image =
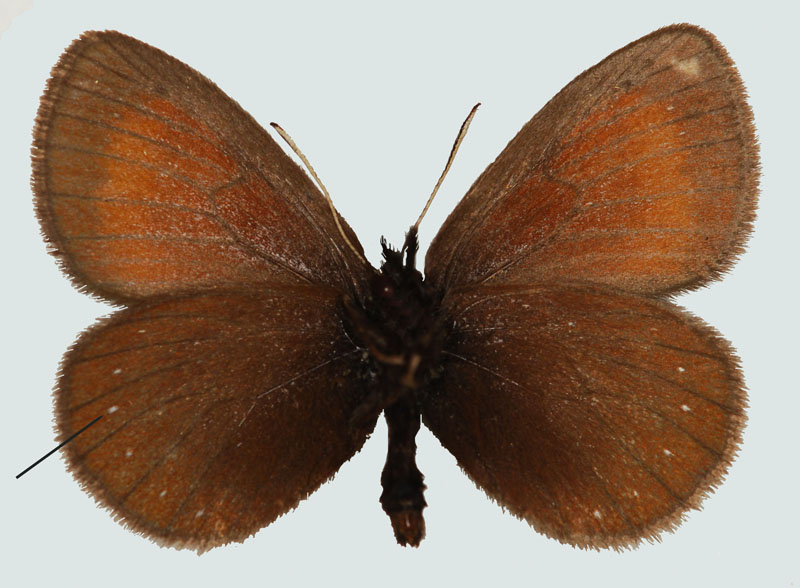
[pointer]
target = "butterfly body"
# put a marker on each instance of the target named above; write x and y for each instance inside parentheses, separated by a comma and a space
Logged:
(254, 347)
(402, 331)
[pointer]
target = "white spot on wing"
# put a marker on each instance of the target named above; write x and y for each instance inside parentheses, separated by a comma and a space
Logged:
(685, 408)
(598, 515)
(689, 67)
(668, 453)
(117, 371)
(113, 409)
(199, 513)
(681, 369)
(128, 452)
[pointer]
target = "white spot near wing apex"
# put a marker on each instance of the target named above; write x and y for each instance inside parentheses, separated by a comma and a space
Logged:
(689, 67)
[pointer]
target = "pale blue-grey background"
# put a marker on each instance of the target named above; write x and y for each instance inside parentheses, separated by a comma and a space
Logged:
(374, 93)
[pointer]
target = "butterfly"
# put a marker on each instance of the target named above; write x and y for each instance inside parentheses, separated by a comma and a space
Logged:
(256, 347)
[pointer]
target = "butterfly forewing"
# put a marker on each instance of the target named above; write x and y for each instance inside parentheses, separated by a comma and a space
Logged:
(597, 416)
(220, 411)
(151, 181)
(640, 174)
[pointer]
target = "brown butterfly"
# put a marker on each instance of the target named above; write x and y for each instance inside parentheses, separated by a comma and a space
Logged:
(258, 347)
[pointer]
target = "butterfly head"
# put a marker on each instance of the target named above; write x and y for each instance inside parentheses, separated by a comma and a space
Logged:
(398, 274)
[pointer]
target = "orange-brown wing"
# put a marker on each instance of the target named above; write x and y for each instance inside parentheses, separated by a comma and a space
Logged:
(220, 411)
(640, 174)
(149, 180)
(598, 416)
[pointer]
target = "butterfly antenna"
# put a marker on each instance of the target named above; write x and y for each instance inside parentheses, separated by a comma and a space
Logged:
(460, 137)
(285, 136)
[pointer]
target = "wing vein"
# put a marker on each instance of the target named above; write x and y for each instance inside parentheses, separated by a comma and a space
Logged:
(101, 65)
(143, 164)
(154, 238)
(223, 445)
(171, 123)
(136, 380)
(624, 113)
(151, 140)
(119, 53)
(136, 201)
(607, 146)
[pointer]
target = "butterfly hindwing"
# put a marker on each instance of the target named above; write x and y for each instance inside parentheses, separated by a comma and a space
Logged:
(220, 411)
(598, 416)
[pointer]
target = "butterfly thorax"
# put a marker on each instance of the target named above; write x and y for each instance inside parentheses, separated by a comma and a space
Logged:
(399, 328)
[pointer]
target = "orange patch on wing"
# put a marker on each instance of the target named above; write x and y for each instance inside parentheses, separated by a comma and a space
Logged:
(114, 217)
(155, 264)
